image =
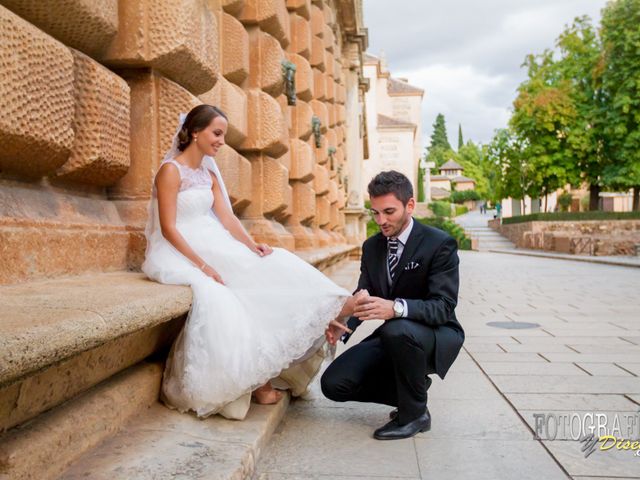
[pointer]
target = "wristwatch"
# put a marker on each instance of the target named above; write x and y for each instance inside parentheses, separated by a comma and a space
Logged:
(398, 308)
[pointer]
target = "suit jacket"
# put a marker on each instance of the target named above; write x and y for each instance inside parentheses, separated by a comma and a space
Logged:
(427, 278)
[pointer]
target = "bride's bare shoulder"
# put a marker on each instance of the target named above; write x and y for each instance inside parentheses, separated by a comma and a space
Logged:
(168, 175)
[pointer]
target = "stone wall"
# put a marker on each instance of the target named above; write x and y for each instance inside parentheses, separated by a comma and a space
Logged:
(587, 237)
(91, 93)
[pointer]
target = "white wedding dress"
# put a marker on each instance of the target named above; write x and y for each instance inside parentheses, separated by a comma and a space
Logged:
(239, 335)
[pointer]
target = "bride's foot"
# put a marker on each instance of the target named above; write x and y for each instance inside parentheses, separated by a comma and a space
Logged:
(266, 395)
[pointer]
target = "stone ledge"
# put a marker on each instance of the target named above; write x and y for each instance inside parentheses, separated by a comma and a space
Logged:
(45, 322)
(619, 261)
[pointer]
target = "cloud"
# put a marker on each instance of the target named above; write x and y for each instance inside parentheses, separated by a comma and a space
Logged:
(467, 54)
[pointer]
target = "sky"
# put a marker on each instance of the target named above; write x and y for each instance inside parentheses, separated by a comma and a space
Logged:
(467, 54)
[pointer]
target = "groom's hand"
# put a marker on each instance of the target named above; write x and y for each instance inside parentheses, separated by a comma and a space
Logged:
(373, 308)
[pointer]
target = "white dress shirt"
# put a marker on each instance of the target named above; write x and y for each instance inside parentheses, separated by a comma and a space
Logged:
(402, 240)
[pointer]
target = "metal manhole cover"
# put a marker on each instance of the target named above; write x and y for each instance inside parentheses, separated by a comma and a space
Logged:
(513, 325)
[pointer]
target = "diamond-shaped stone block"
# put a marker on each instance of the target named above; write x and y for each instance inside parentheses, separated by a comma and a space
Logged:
(304, 202)
(317, 54)
(301, 7)
(270, 15)
(300, 36)
(301, 116)
(302, 161)
(80, 24)
(37, 99)
(266, 63)
(276, 188)
(180, 39)
(320, 180)
(100, 154)
(267, 129)
(232, 100)
(234, 49)
(236, 172)
(304, 77)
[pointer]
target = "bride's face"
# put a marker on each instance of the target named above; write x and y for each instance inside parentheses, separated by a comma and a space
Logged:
(211, 138)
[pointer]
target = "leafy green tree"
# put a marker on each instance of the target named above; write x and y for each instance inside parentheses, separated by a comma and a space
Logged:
(621, 84)
(470, 156)
(460, 139)
(580, 67)
(507, 166)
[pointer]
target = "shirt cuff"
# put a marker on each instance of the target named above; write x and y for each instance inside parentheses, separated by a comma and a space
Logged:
(405, 308)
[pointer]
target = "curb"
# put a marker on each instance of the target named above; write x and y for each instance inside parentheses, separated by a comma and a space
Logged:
(574, 258)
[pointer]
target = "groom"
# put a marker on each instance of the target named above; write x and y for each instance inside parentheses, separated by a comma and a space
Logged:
(411, 273)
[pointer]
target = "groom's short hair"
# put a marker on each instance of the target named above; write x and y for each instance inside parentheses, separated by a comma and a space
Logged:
(391, 182)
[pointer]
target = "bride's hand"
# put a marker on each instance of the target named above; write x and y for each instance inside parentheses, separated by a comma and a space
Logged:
(263, 249)
(210, 272)
(334, 331)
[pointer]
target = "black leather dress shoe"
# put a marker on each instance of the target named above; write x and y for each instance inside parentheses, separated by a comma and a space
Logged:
(395, 431)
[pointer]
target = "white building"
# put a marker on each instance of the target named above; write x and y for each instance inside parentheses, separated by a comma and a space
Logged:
(394, 123)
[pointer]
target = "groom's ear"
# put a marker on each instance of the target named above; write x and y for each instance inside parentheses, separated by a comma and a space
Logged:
(411, 205)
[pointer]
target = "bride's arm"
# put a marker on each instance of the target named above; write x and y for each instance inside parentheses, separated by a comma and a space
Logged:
(228, 218)
(167, 186)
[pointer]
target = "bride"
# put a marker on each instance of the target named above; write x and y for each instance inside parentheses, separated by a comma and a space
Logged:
(255, 309)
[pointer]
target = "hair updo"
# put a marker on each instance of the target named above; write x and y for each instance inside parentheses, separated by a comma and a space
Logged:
(197, 120)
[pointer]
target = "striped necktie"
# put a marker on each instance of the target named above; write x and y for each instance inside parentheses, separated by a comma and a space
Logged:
(392, 257)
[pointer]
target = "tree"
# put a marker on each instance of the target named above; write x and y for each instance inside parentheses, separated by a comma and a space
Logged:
(507, 168)
(460, 139)
(621, 105)
(580, 67)
(440, 150)
(439, 135)
(544, 114)
(470, 156)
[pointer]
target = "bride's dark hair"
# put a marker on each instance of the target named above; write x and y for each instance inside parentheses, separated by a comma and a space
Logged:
(197, 120)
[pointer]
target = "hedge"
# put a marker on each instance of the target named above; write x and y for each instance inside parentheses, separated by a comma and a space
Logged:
(452, 228)
(571, 216)
(464, 195)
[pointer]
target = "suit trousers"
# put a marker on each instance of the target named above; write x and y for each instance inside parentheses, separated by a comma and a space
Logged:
(390, 367)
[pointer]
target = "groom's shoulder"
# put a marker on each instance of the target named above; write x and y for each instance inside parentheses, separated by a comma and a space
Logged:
(372, 240)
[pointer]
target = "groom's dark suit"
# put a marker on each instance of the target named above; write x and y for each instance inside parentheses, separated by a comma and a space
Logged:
(390, 365)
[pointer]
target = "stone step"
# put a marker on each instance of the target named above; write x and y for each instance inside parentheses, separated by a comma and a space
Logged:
(60, 337)
(495, 243)
(165, 444)
(42, 448)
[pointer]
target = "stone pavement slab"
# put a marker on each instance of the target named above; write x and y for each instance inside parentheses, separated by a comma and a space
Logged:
(571, 402)
(582, 361)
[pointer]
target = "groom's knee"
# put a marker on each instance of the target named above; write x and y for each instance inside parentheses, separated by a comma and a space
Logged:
(334, 386)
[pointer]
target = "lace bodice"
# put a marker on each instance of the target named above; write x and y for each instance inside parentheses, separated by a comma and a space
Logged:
(192, 178)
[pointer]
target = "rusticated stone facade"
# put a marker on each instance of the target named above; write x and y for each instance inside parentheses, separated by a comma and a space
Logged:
(91, 93)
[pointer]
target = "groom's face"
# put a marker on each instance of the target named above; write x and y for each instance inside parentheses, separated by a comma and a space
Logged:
(390, 214)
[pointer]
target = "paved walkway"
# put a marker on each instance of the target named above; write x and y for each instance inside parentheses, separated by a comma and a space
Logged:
(583, 359)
